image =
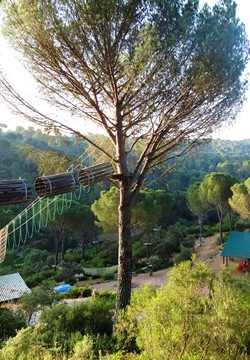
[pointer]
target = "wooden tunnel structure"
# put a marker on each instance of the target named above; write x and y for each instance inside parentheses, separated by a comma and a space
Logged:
(14, 191)
(95, 173)
(19, 190)
(55, 184)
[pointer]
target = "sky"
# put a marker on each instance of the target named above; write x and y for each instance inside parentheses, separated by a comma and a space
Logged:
(240, 130)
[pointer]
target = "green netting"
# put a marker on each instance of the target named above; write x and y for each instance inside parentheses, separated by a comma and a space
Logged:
(35, 217)
(99, 271)
(39, 213)
(237, 245)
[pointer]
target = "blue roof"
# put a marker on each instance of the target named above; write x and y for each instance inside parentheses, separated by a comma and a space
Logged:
(237, 245)
(63, 288)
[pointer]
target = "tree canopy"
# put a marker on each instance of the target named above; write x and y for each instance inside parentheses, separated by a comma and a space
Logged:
(240, 200)
(149, 207)
(156, 75)
(216, 190)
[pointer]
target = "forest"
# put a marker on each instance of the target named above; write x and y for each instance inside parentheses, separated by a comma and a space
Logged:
(158, 77)
(82, 239)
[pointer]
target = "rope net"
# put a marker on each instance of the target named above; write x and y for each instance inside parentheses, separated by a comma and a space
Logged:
(3, 241)
(38, 214)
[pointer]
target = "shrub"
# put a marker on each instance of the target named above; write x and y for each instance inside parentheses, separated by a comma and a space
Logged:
(189, 241)
(108, 275)
(59, 277)
(156, 262)
(76, 292)
(85, 291)
(83, 349)
(73, 256)
(71, 281)
(64, 324)
(195, 229)
(218, 239)
(210, 327)
(183, 255)
(107, 294)
(209, 231)
(10, 322)
(36, 278)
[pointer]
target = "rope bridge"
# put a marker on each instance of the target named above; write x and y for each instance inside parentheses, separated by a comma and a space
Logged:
(44, 209)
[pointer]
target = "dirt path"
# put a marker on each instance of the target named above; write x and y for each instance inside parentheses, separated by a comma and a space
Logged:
(208, 252)
(157, 279)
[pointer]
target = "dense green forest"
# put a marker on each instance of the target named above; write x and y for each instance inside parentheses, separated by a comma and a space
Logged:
(19, 150)
(29, 153)
(83, 238)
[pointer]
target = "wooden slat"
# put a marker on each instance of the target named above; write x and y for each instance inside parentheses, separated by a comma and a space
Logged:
(93, 174)
(55, 184)
(14, 191)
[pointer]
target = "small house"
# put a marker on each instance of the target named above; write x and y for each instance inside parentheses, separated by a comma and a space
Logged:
(12, 287)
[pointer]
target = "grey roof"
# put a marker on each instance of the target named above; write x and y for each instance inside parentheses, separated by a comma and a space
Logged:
(12, 286)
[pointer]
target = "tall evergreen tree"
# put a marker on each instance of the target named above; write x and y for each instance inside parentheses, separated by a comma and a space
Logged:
(160, 74)
(216, 190)
(240, 200)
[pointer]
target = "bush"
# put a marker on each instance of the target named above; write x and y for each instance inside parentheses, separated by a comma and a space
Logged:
(216, 326)
(10, 322)
(76, 292)
(71, 281)
(85, 291)
(189, 241)
(107, 294)
(209, 231)
(59, 277)
(183, 255)
(36, 278)
(73, 256)
(65, 324)
(224, 238)
(195, 229)
(108, 275)
(156, 262)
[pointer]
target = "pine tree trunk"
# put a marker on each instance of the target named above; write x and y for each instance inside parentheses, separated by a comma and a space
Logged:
(125, 250)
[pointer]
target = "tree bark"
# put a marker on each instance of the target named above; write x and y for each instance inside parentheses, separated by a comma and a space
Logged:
(125, 249)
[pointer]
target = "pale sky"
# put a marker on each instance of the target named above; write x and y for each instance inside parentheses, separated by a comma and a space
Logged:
(239, 131)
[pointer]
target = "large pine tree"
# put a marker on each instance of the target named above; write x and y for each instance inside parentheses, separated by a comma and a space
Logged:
(156, 75)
